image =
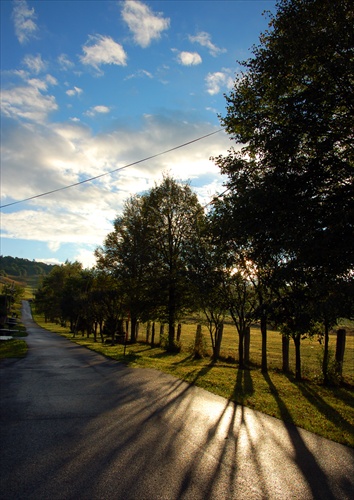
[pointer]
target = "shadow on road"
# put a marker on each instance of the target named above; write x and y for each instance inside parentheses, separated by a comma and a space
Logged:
(305, 460)
(96, 429)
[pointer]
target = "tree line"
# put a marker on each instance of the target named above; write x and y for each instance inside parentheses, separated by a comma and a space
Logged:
(278, 245)
(16, 266)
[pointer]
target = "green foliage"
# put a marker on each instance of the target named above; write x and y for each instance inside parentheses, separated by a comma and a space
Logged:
(148, 253)
(290, 205)
(11, 295)
(332, 376)
(15, 266)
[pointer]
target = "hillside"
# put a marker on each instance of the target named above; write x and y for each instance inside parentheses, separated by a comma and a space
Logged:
(15, 266)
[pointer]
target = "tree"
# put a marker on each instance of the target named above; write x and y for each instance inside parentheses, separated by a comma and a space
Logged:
(242, 302)
(55, 298)
(148, 250)
(125, 255)
(291, 185)
(173, 211)
(294, 109)
(242, 251)
(205, 271)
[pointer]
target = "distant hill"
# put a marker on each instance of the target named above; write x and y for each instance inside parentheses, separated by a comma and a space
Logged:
(15, 266)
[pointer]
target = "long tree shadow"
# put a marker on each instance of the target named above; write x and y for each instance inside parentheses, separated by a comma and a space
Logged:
(304, 458)
(326, 409)
(285, 414)
(243, 387)
(345, 393)
(203, 371)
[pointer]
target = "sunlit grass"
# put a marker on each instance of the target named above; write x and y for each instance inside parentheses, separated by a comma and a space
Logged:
(13, 348)
(328, 412)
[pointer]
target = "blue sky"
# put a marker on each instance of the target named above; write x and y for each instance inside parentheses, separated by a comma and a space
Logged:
(88, 87)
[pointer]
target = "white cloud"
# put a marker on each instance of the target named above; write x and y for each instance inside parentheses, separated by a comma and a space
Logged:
(51, 261)
(97, 110)
(54, 246)
(65, 62)
(141, 73)
(37, 83)
(204, 39)
(51, 80)
(37, 225)
(103, 50)
(189, 58)
(35, 63)
(24, 21)
(66, 153)
(86, 257)
(218, 80)
(74, 91)
(28, 102)
(42, 84)
(145, 25)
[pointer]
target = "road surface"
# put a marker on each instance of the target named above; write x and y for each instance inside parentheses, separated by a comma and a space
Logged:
(75, 425)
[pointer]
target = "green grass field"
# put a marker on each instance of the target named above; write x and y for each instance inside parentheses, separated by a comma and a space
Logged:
(326, 411)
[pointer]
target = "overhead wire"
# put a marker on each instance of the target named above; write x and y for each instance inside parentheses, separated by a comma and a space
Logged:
(111, 171)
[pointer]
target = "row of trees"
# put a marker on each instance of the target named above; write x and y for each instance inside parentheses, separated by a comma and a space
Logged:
(290, 205)
(278, 245)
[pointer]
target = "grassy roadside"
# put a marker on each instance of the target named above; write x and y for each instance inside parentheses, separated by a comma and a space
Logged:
(13, 348)
(328, 412)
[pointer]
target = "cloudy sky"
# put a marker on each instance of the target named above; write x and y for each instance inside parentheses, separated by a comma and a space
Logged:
(89, 87)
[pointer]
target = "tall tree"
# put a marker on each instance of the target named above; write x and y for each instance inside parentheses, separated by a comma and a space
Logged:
(126, 254)
(206, 274)
(148, 250)
(294, 108)
(173, 213)
(291, 185)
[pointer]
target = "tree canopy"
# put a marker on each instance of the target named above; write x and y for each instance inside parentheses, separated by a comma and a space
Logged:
(293, 109)
(290, 204)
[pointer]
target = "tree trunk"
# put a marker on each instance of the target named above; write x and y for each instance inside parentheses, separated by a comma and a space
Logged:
(153, 335)
(198, 343)
(218, 338)
(241, 362)
(285, 352)
(179, 331)
(297, 340)
(171, 335)
(171, 317)
(148, 331)
(162, 332)
(264, 342)
(325, 354)
(133, 323)
(340, 348)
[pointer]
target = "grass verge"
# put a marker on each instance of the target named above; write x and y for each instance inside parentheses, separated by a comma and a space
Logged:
(13, 348)
(326, 411)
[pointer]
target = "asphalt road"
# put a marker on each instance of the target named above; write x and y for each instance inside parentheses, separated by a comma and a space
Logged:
(75, 425)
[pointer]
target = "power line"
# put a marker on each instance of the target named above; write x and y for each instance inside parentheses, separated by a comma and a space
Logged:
(112, 171)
